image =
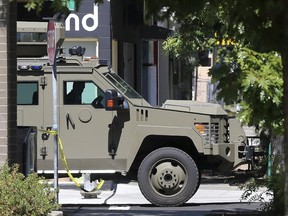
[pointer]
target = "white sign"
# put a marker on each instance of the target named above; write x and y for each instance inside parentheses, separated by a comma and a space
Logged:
(76, 20)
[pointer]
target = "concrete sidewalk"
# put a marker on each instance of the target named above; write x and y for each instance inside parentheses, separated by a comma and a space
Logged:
(130, 194)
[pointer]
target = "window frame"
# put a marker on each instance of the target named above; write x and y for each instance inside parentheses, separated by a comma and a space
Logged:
(66, 92)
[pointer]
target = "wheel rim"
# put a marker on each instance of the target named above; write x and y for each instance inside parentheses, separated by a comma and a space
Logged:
(168, 177)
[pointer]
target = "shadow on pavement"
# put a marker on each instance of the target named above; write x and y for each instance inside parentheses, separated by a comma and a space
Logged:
(210, 209)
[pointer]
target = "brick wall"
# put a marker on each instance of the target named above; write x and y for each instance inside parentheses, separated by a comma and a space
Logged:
(203, 84)
(3, 83)
(8, 109)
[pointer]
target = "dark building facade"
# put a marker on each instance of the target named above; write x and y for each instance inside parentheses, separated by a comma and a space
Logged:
(90, 27)
(117, 33)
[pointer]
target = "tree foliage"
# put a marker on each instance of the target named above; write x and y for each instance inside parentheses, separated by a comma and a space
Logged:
(274, 187)
(195, 34)
(252, 78)
(255, 81)
(57, 5)
(257, 23)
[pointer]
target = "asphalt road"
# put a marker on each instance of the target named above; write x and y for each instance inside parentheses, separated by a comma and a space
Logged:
(141, 210)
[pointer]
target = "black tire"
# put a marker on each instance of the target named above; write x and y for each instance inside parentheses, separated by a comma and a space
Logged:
(168, 177)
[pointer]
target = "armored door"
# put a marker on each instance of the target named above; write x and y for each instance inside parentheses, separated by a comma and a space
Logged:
(84, 124)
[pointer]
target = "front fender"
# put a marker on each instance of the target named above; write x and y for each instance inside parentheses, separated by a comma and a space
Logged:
(142, 131)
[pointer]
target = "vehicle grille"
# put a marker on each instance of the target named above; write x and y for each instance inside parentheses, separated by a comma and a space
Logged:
(209, 131)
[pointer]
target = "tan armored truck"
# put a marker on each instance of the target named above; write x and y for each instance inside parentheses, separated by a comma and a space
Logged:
(109, 130)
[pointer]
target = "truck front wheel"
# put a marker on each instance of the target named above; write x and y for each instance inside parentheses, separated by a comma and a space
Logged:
(168, 177)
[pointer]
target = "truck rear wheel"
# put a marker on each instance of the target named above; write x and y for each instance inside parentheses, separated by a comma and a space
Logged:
(168, 177)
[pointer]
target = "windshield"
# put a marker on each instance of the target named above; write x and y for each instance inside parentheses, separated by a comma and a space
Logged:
(121, 85)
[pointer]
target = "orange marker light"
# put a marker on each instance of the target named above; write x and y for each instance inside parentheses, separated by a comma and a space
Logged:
(110, 103)
(200, 128)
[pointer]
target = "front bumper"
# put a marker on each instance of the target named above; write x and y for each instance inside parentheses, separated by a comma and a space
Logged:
(232, 154)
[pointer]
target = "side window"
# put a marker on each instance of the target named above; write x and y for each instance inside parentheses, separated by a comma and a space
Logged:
(83, 92)
(27, 93)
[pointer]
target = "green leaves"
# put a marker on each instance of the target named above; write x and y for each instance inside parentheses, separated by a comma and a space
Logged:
(57, 5)
(255, 81)
(195, 34)
(243, 76)
(274, 188)
(34, 5)
(20, 195)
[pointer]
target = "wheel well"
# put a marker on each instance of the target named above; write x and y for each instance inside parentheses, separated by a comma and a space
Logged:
(153, 142)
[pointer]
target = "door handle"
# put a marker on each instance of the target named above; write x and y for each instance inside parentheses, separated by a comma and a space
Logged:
(69, 121)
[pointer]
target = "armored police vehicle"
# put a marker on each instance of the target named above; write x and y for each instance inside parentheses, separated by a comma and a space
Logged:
(108, 129)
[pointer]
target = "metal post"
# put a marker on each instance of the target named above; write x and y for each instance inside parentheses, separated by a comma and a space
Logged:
(52, 53)
(269, 159)
(55, 128)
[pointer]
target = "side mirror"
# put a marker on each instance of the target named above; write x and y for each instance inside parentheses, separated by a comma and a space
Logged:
(114, 101)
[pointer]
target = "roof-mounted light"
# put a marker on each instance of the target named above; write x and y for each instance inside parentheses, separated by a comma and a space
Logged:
(23, 67)
(36, 67)
(30, 67)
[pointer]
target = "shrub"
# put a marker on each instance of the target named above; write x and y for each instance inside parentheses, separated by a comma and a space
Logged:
(274, 185)
(20, 195)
